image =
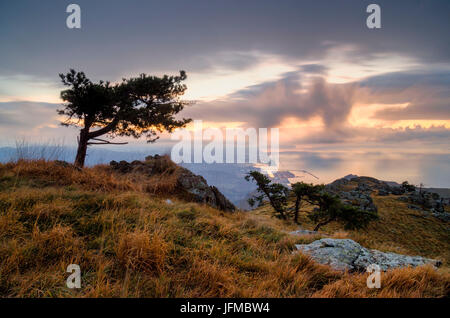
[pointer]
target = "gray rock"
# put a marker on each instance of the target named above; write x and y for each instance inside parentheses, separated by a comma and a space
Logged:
(429, 202)
(200, 192)
(361, 200)
(339, 254)
(66, 164)
(390, 260)
(414, 207)
(346, 254)
(443, 216)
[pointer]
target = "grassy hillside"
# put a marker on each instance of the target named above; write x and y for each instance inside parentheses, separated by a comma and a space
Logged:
(398, 229)
(130, 243)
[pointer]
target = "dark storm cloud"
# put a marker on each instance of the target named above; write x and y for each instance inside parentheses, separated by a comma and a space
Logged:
(267, 104)
(314, 69)
(437, 135)
(435, 110)
(120, 37)
(402, 80)
(427, 94)
(433, 134)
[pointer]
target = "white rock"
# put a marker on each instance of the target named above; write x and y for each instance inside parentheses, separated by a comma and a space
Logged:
(346, 254)
(303, 232)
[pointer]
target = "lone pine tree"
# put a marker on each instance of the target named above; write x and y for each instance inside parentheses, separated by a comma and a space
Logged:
(144, 105)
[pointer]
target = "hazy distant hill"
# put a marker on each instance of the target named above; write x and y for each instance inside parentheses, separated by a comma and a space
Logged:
(6, 154)
(443, 192)
(94, 156)
(228, 178)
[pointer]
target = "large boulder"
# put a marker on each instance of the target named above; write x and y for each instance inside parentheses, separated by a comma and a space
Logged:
(346, 254)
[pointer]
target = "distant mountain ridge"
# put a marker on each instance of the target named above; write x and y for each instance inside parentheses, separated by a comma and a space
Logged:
(443, 192)
(228, 178)
(352, 176)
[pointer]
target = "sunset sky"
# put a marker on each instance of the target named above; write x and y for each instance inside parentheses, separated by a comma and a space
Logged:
(347, 99)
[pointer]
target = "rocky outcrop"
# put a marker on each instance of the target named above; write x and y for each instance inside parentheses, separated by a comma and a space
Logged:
(200, 192)
(366, 184)
(221, 201)
(357, 191)
(189, 184)
(357, 195)
(428, 203)
(66, 164)
(346, 254)
(359, 199)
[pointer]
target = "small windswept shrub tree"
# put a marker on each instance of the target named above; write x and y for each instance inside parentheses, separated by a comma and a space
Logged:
(276, 193)
(304, 192)
(330, 208)
(407, 187)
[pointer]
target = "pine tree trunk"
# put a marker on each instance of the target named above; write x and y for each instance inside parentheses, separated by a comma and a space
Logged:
(322, 224)
(297, 207)
(82, 149)
(274, 206)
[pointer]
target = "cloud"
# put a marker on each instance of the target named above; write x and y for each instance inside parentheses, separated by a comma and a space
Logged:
(227, 60)
(402, 80)
(33, 119)
(119, 38)
(314, 68)
(9, 120)
(312, 160)
(434, 135)
(426, 94)
(268, 104)
(304, 96)
(434, 110)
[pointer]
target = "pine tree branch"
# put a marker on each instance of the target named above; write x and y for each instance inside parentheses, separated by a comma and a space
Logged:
(104, 130)
(106, 142)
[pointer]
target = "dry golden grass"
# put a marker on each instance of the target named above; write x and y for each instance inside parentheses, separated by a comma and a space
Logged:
(44, 173)
(130, 243)
(140, 251)
(403, 282)
(41, 173)
(398, 229)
